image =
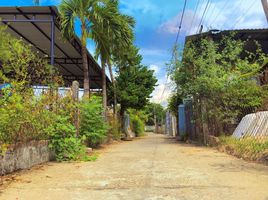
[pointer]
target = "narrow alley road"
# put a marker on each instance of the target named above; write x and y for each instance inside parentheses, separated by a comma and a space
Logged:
(154, 168)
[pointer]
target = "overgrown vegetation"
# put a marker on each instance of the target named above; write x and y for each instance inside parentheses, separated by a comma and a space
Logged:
(137, 121)
(134, 83)
(25, 116)
(247, 148)
(220, 78)
(92, 125)
(155, 114)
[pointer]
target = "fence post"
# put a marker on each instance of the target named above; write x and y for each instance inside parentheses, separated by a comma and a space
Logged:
(204, 120)
(75, 96)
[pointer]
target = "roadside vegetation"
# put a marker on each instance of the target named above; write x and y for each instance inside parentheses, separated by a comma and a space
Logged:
(25, 116)
(246, 148)
(220, 78)
(28, 113)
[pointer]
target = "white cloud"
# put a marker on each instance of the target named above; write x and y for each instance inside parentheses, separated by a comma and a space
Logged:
(172, 26)
(163, 91)
(155, 68)
(153, 52)
(221, 15)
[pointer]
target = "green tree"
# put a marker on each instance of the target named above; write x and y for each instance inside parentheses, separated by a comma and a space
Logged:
(134, 87)
(219, 76)
(88, 14)
(173, 103)
(114, 30)
(154, 111)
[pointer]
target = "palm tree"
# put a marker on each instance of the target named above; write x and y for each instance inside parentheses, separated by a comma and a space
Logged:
(86, 12)
(109, 35)
(119, 48)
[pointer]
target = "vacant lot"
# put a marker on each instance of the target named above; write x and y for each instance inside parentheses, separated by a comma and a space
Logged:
(154, 167)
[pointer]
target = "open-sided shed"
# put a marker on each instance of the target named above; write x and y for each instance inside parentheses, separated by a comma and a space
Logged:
(40, 27)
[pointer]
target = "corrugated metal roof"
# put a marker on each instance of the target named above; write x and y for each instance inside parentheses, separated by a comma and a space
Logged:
(68, 56)
(253, 125)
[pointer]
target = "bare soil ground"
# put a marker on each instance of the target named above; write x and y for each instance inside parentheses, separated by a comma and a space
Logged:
(153, 168)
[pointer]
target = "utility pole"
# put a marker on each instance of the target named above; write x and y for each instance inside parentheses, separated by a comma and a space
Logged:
(265, 8)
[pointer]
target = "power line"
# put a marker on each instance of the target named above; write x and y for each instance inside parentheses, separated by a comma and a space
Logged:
(176, 42)
(203, 16)
(224, 6)
(178, 34)
(235, 11)
(243, 15)
(197, 6)
(211, 13)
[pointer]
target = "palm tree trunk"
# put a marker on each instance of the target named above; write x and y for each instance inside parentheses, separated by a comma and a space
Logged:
(85, 65)
(114, 89)
(104, 91)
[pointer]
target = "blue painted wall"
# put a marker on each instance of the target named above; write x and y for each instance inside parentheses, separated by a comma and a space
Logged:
(182, 120)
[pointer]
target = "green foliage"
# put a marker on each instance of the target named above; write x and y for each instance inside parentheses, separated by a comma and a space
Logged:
(21, 65)
(115, 129)
(154, 109)
(249, 148)
(22, 117)
(219, 75)
(64, 141)
(92, 124)
(137, 125)
(173, 102)
(137, 122)
(134, 86)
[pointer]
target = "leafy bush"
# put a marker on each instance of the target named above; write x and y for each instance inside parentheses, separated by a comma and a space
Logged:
(63, 140)
(137, 121)
(92, 124)
(219, 76)
(22, 118)
(115, 129)
(20, 64)
(25, 117)
(138, 125)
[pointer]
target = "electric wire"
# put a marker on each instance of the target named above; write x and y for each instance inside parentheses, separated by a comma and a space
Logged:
(235, 11)
(176, 42)
(195, 12)
(244, 14)
(205, 10)
(211, 13)
(216, 17)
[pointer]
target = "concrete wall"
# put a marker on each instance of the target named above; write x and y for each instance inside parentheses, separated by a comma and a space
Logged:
(24, 156)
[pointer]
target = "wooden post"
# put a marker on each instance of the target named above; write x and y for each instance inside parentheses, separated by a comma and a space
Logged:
(155, 122)
(204, 120)
(265, 8)
(75, 96)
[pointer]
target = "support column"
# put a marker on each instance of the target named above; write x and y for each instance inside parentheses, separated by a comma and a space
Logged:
(52, 42)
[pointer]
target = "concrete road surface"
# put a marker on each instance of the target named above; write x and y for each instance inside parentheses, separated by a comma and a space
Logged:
(153, 168)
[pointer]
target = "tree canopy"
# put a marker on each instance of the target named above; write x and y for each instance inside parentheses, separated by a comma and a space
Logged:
(134, 86)
(221, 76)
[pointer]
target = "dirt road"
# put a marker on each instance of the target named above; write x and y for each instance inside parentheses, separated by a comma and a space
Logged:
(151, 168)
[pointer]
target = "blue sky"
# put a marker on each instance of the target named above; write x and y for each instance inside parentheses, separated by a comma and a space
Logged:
(157, 25)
